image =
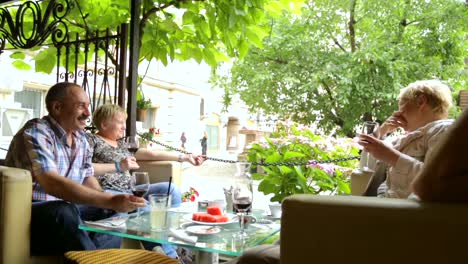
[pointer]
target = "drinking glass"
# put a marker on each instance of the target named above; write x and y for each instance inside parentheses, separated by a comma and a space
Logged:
(242, 194)
(368, 128)
(139, 184)
(132, 143)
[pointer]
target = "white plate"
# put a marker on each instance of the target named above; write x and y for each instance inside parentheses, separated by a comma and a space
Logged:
(232, 219)
(202, 230)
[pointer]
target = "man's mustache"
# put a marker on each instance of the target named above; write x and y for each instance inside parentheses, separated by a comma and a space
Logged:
(83, 117)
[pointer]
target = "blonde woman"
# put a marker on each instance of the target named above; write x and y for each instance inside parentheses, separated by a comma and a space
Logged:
(112, 160)
(423, 112)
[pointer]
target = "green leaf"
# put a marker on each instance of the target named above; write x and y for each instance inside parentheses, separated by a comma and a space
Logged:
(285, 169)
(45, 61)
(17, 55)
(292, 154)
(275, 157)
(21, 65)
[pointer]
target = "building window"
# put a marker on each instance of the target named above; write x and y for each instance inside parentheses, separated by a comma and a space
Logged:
(202, 108)
(212, 137)
(150, 120)
(31, 99)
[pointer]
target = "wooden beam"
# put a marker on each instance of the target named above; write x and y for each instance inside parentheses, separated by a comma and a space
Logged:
(135, 11)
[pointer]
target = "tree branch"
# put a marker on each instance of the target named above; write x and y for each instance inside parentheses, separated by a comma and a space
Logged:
(338, 44)
(351, 23)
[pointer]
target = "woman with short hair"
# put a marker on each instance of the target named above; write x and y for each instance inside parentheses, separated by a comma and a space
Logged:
(423, 114)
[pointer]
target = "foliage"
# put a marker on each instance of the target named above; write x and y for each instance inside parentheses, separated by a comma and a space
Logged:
(190, 195)
(142, 102)
(209, 31)
(295, 143)
(343, 62)
(148, 135)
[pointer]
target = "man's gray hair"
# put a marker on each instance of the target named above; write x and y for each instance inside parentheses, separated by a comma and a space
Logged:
(58, 92)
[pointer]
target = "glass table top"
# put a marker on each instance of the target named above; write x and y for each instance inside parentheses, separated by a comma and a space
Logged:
(183, 232)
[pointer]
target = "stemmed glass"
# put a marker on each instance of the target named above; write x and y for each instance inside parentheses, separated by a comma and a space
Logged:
(242, 194)
(368, 128)
(132, 143)
(139, 184)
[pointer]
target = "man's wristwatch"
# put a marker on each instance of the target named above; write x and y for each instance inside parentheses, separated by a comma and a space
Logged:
(180, 157)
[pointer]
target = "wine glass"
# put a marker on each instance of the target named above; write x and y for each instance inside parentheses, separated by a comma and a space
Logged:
(368, 128)
(132, 143)
(242, 194)
(139, 185)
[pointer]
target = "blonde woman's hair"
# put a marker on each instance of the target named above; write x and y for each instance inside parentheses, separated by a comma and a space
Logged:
(438, 94)
(106, 112)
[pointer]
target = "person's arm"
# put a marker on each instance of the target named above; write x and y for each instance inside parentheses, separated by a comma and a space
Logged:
(146, 154)
(69, 190)
(125, 164)
(92, 183)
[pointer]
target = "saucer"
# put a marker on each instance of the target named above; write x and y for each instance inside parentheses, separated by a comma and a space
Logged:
(202, 230)
(270, 217)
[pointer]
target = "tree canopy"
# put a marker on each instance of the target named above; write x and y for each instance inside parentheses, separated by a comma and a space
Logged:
(203, 30)
(342, 62)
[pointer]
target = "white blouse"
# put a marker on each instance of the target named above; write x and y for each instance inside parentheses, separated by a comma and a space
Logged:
(416, 147)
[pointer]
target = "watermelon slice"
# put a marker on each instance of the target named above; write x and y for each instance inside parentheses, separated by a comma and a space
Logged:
(214, 210)
(207, 218)
(221, 218)
(196, 216)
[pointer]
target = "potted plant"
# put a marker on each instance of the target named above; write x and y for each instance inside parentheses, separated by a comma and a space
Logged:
(142, 106)
(292, 143)
(147, 136)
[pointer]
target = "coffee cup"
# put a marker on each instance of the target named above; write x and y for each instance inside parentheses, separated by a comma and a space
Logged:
(275, 210)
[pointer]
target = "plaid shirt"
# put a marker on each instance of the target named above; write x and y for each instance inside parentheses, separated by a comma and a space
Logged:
(41, 146)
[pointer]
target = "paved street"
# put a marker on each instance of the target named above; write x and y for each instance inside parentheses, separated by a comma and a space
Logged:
(210, 178)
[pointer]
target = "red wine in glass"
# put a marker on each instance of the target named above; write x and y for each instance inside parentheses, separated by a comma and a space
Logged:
(139, 192)
(139, 185)
(132, 143)
(133, 150)
(242, 206)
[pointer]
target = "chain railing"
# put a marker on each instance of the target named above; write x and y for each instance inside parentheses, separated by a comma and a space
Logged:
(266, 164)
(262, 163)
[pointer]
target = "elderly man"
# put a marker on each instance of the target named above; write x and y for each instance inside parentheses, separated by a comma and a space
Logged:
(55, 150)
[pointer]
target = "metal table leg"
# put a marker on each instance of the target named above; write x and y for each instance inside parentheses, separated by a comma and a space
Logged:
(203, 257)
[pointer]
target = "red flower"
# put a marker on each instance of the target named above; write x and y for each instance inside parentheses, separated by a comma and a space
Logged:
(192, 190)
(191, 195)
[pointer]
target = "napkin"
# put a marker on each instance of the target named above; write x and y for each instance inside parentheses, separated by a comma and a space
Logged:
(111, 222)
(182, 235)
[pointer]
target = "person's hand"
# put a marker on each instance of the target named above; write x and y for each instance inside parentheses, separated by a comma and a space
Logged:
(129, 163)
(395, 121)
(378, 149)
(126, 202)
(195, 160)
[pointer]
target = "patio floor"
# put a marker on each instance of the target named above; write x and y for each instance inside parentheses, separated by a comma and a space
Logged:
(210, 178)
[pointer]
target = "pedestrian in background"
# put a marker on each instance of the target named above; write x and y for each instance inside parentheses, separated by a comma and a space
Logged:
(183, 139)
(204, 143)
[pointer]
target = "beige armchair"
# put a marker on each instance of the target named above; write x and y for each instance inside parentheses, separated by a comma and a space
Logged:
(15, 212)
(355, 229)
(15, 218)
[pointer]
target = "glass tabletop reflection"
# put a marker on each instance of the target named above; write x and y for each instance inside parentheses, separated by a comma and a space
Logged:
(183, 232)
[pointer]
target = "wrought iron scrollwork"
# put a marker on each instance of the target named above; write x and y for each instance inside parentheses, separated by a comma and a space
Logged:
(44, 24)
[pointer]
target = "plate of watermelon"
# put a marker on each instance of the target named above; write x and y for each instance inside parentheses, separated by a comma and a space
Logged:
(213, 216)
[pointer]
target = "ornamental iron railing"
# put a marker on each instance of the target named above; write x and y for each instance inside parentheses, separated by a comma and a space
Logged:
(32, 24)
